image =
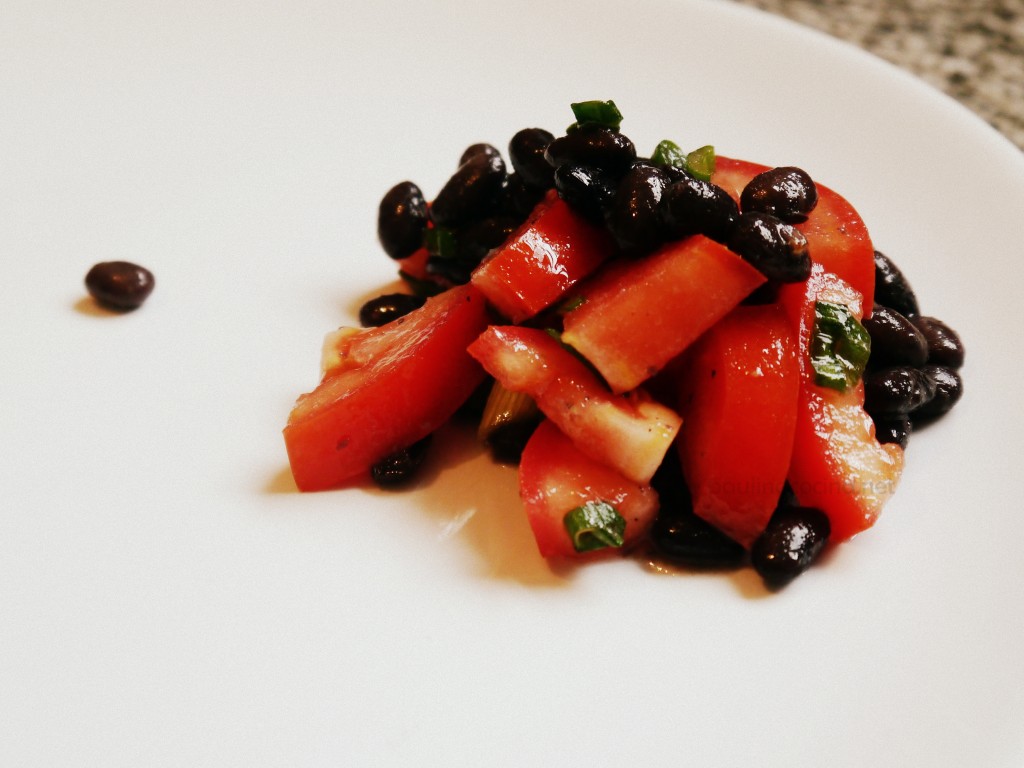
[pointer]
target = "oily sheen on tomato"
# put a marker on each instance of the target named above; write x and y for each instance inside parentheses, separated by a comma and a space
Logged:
(385, 389)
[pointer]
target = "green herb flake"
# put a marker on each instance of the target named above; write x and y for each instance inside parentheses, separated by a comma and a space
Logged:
(440, 242)
(840, 346)
(595, 525)
(669, 153)
(701, 163)
(603, 113)
(569, 305)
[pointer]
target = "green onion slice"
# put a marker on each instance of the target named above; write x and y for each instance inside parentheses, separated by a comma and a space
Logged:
(840, 346)
(440, 242)
(701, 163)
(669, 153)
(603, 113)
(595, 525)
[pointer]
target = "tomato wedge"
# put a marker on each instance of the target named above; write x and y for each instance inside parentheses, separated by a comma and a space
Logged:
(388, 388)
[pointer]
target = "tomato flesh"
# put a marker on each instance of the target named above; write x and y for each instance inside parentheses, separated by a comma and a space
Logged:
(385, 389)
(637, 315)
(542, 260)
(629, 432)
(738, 399)
(555, 477)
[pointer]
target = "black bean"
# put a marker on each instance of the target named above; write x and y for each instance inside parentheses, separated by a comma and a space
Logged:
(779, 250)
(894, 339)
(516, 199)
(893, 429)
(949, 388)
(792, 541)
(119, 285)
(588, 190)
(896, 391)
(387, 307)
(476, 240)
(481, 148)
(788, 193)
(892, 289)
(400, 467)
(944, 344)
(471, 192)
(693, 206)
(401, 219)
(633, 218)
(594, 146)
(526, 152)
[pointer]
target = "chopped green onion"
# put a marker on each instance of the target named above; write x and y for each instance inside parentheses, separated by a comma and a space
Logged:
(669, 153)
(595, 525)
(440, 242)
(569, 305)
(701, 163)
(840, 346)
(505, 407)
(603, 113)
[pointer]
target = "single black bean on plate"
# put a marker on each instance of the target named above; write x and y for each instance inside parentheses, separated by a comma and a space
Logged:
(792, 541)
(693, 206)
(476, 239)
(894, 339)
(594, 146)
(944, 344)
(893, 429)
(892, 289)
(517, 199)
(589, 191)
(949, 388)
(387, 307)
(481, 148)
(400, 467)
(788, 193)
(633, 218)
(896, 391)
(401, 219)
(777, 249)
(119, 285)
(472, 191)
(526, 153)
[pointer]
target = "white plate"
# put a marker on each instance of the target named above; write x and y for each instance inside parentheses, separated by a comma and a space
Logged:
(167, 598)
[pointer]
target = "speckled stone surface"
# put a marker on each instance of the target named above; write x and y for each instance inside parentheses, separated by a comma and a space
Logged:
(971, 49)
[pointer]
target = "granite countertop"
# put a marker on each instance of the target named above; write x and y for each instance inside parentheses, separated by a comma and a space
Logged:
(971, 49)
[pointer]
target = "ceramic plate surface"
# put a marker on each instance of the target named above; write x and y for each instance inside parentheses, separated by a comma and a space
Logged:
(167, 598)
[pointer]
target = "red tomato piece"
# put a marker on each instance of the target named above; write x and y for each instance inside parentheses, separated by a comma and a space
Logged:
(836, 234)
(388, 388)
(542, 260)
(555, 477)
(629, 432)
(738, 401)
(638, 315)
(837, 464)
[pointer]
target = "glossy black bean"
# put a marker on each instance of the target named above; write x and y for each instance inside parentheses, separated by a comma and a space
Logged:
(593, 146)
(949, 388)
(692, 206)
(526, 152)
(475, 240)
(893, 429)
(792, 541)
(944, 344)
(788, 193)
(896, 391)
(449, 271)
(472, 192)
(400, 467)
(892, 289)
(589, 191)
(779, 250)
(387, 307)
(633, 218)
(517, 199)
(119, 285)
(481, 148)
(894, 339)
(401, 219)
(688, 540)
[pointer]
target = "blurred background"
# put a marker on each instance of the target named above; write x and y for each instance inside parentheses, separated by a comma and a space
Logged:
(971, 49)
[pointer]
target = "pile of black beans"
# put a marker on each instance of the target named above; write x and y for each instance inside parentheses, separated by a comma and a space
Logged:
(596, 170)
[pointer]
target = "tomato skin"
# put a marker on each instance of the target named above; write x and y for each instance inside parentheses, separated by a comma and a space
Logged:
(837, 465)
(390, 387)
(556, 477)
(542, 260)
(835, 232)
(738, 399)
(638, 315)
(630, 432)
